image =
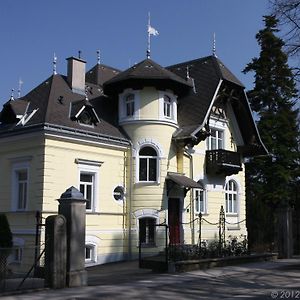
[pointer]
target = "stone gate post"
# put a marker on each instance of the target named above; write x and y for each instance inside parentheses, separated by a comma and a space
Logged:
(72, 207)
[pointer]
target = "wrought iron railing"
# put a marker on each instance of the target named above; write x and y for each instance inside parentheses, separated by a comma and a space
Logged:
(223, 162)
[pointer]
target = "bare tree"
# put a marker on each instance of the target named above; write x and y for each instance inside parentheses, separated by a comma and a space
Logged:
(288, 13)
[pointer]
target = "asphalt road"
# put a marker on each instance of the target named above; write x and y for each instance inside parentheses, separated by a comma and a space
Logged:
(265, 280)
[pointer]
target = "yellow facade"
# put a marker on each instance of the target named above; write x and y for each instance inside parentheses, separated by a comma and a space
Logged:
(55, 163)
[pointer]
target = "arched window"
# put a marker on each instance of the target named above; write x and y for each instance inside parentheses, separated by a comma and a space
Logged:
(231, 197)
(129, 105)
(148, 164)
(167, 106)
(147, 231)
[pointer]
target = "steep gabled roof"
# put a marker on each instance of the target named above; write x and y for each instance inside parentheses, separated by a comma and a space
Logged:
(206, 72)
(210, 76)
(146, 73)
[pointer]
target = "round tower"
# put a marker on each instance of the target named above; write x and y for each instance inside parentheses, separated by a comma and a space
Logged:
(147, 110)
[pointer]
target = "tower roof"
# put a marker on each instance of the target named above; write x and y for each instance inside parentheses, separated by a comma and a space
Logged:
(146, 73)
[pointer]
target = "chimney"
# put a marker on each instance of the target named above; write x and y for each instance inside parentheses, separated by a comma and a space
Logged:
(76, 75)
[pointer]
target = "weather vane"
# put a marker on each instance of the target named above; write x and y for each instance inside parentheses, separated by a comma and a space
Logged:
(151, 31)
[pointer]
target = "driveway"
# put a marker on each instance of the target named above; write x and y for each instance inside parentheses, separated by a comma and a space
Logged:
(265, 280)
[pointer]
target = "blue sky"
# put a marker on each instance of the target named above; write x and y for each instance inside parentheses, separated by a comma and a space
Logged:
(32, 30)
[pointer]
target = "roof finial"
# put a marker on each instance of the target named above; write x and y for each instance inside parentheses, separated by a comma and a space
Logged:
(214, 45)
(151, 31)
(12, 95)
(86, 92)
(79, 54)
(20, 86)
(54, 63)
(187, 72)
(98, 57)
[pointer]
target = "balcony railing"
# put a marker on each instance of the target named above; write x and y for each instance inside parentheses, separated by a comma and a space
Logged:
(223, 162)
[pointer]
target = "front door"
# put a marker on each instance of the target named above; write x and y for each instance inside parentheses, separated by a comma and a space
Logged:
(174, 220)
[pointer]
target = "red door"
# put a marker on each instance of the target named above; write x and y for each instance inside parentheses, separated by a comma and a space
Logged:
(174, 220)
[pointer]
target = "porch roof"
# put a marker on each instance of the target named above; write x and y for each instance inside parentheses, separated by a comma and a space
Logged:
(183, 180)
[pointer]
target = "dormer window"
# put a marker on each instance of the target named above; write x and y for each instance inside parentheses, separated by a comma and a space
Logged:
(85, 118)
(167, 106)
(129, 103)
(84, 113)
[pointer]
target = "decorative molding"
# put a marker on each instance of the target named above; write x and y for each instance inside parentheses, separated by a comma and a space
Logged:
(88, 162)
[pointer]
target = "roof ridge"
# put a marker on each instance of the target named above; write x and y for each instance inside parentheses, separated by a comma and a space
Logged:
(49, 95)
(190, 61)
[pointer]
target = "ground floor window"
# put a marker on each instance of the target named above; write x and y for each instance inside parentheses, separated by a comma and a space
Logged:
(231, 197)
(199, 200)
(147, 231)
(90, 253)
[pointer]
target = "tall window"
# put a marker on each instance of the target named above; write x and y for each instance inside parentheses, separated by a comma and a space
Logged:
(22, 187)
(86, 186)
(231, 197)
(148, 164)
(215, 140)
(167, 106)
(199, 200)
(129, 104)
(147, 231)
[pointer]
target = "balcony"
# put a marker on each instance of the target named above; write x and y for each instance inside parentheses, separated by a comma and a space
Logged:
(222, 162)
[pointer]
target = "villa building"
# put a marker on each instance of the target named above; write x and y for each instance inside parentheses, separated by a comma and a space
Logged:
(146, 146)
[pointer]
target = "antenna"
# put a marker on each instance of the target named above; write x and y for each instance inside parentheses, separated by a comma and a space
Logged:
(214, 45)
(54, 64)
(20, 86)
(98, 57)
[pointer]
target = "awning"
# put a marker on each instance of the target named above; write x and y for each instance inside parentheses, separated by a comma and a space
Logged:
(183, 181)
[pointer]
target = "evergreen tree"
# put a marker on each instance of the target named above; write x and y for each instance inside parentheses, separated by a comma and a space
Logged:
(271, 180)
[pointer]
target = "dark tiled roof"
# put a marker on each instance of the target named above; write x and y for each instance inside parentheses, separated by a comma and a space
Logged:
(53, 98)
(193, 107)
(147, 72)
(100, 74)
(207, 73)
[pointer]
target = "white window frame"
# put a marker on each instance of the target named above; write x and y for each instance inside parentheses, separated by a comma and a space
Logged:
(129, 105)
(220, 136)
(204, 197)
(123, 105)
(19, 167)
(94, 171)
(93, 249)
(173, 107)
(148, 158)
(231, 208)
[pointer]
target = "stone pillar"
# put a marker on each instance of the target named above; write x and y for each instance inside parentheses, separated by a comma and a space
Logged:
(56, 252)
(285, 233)
(72, 207)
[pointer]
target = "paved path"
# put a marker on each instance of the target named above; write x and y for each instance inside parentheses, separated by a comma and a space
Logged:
(267, 280)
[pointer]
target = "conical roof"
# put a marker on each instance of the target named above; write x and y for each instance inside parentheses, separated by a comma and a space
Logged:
(146, 73)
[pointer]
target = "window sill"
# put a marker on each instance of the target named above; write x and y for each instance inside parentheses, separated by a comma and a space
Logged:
(202, 213)
(231, 215)
(147, 183)
(148, 246)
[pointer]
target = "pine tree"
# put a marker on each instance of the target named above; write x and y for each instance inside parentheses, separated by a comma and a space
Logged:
(271, 180)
